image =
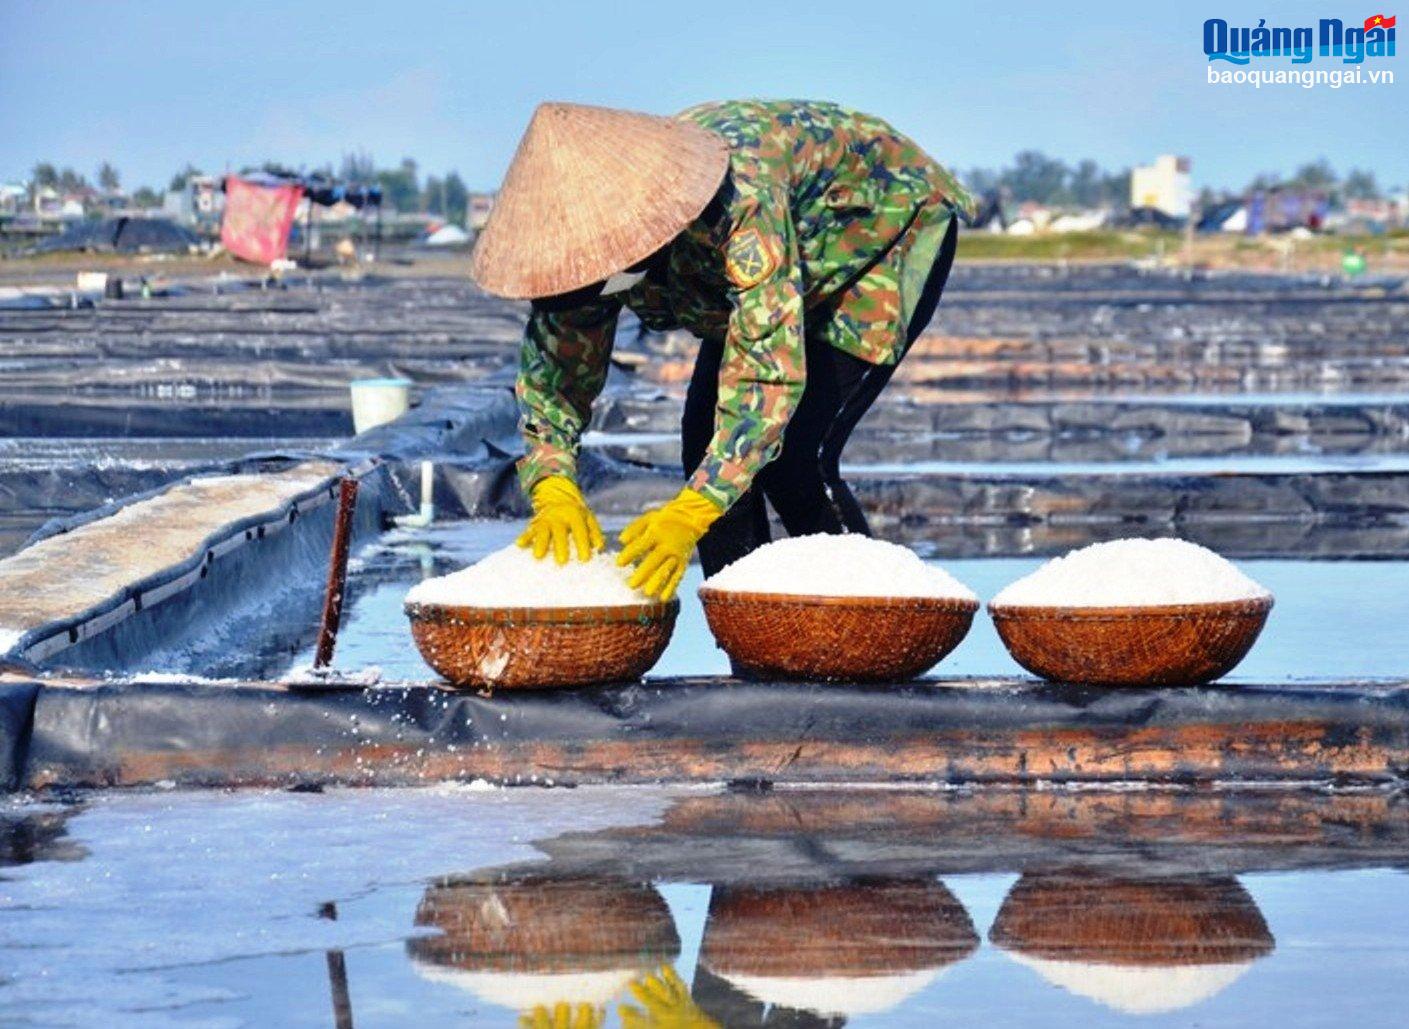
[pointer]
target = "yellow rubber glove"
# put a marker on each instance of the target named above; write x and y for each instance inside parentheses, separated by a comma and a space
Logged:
(660, 542)
(562, 1016)
(667, 1003)
(561, 517)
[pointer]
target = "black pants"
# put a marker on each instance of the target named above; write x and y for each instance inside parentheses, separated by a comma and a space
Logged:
(803, 483)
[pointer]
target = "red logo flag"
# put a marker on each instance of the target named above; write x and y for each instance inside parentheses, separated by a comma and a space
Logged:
(257, 219)
(1379, 21)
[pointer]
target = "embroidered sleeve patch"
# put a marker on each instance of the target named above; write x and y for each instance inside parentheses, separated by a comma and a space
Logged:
(748, 260)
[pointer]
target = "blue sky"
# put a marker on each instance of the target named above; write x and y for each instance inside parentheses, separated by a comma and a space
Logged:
(154, 84)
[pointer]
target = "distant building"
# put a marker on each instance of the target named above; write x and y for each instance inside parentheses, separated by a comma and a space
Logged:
(480, 204)
(1164, 186)
(47, 202)
(111, 201)
(12, 197)
(199, 202)
(1385, 213)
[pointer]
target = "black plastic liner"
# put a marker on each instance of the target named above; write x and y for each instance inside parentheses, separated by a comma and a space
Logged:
(279, 581)
(271, 590)
(16, 721)
(711, 729)
(69, 417)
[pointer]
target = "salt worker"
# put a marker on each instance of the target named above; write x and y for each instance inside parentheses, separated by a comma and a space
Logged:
(806, 244)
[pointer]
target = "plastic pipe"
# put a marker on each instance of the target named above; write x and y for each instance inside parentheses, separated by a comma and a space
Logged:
(426, 515)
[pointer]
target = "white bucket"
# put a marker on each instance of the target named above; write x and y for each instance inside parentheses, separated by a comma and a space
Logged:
(92, 282)
(378, 401)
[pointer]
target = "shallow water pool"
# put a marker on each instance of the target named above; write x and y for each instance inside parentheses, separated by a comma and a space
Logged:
(466, 905)
(1333, 619)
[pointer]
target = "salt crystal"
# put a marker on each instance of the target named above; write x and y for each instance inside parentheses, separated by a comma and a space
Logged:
(1133, 573)
(838, 566)
(513, 577)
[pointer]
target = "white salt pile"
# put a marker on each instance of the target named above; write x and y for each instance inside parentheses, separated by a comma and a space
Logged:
(1132, 573)
(838, 566)
(512, 577)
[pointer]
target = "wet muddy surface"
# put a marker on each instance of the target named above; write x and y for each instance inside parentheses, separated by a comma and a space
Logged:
(461, 905)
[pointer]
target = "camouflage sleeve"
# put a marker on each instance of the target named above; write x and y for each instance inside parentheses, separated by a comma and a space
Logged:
(562, 368)
(762, 373)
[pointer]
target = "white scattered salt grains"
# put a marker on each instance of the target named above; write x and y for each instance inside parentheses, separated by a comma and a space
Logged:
(513, 577)
(1133, 573)
(838, 566)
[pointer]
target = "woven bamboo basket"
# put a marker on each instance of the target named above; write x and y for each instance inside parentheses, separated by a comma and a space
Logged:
(1149, 922)
(1170, 645)
(536, 648)
(545, 925)
(849, 930)
(835, 639)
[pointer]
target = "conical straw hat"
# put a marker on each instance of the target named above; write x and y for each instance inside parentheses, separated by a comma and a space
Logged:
(591, 191)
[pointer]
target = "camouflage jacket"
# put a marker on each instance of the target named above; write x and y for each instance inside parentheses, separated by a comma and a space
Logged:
(810, 232)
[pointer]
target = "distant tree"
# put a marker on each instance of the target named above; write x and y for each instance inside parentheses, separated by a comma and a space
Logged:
(145, 197)
(457, 198)
(274, 168)
(400, 186)
(1115, 187)
(358, 168)
(1035, 176)
(108, 178)
(1047, 180)
(44, 174)
(1317, 175)
(433, 196)
(71, 181)
(1360, 184)
(179, 180)
(981, 181)
(1084, 183)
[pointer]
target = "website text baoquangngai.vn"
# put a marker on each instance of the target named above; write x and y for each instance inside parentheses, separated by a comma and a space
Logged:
(1306, 78)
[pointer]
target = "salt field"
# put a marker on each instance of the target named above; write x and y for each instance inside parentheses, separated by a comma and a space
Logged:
(974, 846)
(899, 908)
(485, 544)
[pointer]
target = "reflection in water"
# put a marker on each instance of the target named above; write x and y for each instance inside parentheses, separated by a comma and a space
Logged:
(827, 906)
(853, 949)
(814, 955)
(1140, 946)
(26, 837)
(531, 942)
(787, 908)
(337, 975)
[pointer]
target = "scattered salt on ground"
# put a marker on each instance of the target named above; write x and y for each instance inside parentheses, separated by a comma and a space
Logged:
(838, 566)
(1131, 573)
(8, 639)
(179, 678)
(307, 675)
(513, 577)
